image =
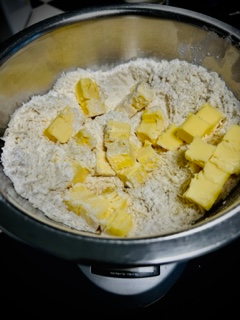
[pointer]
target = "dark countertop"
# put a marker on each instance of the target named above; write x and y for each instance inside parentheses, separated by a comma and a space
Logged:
(34, 284)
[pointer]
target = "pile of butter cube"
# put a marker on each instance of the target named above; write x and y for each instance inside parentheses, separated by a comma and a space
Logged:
(217, 162)
(131, 164)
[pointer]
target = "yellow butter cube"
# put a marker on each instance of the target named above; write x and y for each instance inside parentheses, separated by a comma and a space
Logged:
(139, 97)
(86, 89)
(84, 137)
(117, 201)
(87, 94)
(127, 108)
(91, 207)
(116, 130)
(120, 154)
(151, 125)
(227, 157)
(83, 202)
(103, 167)
(202, 191)
(210, 114)
(152, 114)
(93, 107)
(80, 173)
(214, 174)
(61, 128)
(99, 210)
(233, 135)
(168, 139)
(199, 151)
(79, 190)
(147, 131)
(148, 157)
(133, 176)
(119, 224)
(191, 127)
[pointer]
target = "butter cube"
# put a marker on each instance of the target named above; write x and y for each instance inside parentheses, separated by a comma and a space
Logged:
(147, 131)
(168, 139)
(210, 114)
(133, 176)
(233, 135)
(116, 130)
(191, 127)
(148, 157)
(84, 137)
(139, 97)
(82, 202)
(93, 107)
(78, 191)
(117, 201)
(120, 154)
(86, 89)
(227, 157)
(127, 108)
(61, 128)
(103, 167)
(214, 174)
(202, 191)
(80, 173)
(153, 114)
(98, 211)
(199, 151)
(87, 94)
(91, 207)
(151, 125)
(119, 224)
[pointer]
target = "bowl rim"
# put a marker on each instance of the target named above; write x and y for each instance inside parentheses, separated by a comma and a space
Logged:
(30, 33)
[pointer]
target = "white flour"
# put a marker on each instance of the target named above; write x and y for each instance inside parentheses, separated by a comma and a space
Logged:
(40, 169)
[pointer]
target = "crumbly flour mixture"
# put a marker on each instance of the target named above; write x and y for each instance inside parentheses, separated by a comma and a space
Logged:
(41, 169)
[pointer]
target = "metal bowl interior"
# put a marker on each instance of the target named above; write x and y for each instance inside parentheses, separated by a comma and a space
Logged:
(32, 60)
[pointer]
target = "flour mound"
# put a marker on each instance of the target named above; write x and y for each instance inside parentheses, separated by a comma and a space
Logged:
(157, 207)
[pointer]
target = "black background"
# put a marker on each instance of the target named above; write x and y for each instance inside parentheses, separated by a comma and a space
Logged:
(38, 286)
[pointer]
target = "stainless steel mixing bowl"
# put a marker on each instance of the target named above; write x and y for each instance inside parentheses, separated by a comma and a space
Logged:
(32, 60)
